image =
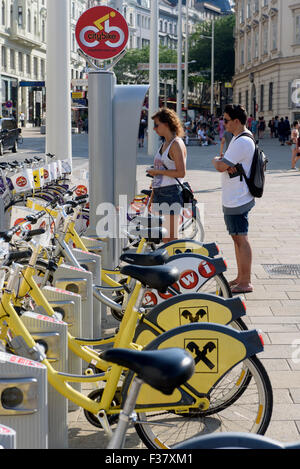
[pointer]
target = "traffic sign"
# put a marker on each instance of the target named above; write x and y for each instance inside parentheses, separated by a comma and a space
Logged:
(9, 104)
(102, 32)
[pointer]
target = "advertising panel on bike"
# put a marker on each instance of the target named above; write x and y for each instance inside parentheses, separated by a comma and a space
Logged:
(102, 32)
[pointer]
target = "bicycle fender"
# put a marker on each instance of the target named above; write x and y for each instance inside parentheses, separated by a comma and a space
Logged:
(194, 269)
(186, 309)
(215, 348)
(188, 246)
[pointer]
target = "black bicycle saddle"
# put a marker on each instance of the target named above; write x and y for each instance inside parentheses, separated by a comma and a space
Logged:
(158, 277)
(158, 257)
(164, 369)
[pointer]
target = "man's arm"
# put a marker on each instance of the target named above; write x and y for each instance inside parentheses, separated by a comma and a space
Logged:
(221, 164)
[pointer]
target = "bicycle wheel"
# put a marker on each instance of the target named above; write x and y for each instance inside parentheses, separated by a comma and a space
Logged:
(192, 228)
(217, 285)
(251, 413)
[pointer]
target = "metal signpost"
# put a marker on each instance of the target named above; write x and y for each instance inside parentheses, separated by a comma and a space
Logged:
(114, 114)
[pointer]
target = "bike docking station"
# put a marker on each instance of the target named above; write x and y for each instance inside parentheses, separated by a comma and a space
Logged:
(68, 305)
(79, 281)
(114, 116)
(8, 438)
(51, 334)
(24, 400)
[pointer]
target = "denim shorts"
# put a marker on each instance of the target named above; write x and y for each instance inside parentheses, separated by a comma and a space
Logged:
(168, 199)
(237, 224)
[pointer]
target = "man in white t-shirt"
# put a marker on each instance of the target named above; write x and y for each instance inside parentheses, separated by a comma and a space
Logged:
(236, 198)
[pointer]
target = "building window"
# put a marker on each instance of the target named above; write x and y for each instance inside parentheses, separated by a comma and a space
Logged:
(240, 98)
(12, 59)
(28, 64)
(256, 35)
(242, 53)
(29, 21)
(249, 48)
(35, 67)
(20, 60)
(262, 92)
(297, 29)
(20, 16)
(3, 13)
(43, 31)
(270, 96)
(247, 100)
(265, 39)
(4, 57)
(274, 35)
(42, 68)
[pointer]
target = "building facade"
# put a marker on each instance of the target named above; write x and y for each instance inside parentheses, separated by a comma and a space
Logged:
(267, 65)
(23, 56)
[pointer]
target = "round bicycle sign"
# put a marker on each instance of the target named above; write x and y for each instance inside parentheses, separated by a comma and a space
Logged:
(102, 32)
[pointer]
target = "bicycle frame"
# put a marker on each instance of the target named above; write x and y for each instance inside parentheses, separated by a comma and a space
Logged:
(60, 380)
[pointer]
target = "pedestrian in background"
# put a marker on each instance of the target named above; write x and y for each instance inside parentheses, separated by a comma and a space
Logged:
(221, 128)
(236, 198)
(276, 123)
(282, 132)
(271, 127)
(295, 140)
(22, 119)
(261, 127)
(287, 128)
(227, 137)
(254, 125)
(142, 128)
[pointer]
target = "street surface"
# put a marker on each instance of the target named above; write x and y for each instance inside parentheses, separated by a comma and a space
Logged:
(273, 307)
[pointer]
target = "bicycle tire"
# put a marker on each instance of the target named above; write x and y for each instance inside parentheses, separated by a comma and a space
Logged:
(194, 231)
(217, 285)
(228, 419)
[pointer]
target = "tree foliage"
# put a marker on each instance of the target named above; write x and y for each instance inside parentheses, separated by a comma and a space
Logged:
(126, 69)
(200, 49)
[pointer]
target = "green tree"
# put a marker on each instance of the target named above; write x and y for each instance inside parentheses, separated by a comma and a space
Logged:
(200, 49)
(126, 69)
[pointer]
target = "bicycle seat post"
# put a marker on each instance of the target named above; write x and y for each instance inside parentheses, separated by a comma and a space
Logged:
(118, 439)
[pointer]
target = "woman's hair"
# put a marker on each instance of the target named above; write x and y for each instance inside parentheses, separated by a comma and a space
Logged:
(169, 117)
(295, 123)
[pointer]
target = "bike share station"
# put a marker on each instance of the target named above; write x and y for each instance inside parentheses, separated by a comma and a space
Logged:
(53, 343)
(32, 414)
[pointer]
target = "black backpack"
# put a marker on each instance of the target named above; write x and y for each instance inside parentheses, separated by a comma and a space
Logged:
(256, 180)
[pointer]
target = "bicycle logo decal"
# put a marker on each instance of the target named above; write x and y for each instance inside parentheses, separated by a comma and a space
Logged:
(206, 269)
(21, 181)
(205, 354)
(102, 32)
(193, 314)
(188, 279)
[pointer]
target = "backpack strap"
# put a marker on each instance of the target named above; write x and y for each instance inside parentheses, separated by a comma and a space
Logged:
(246, 134)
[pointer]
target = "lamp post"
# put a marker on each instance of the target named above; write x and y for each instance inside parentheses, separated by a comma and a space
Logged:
(186, 54)
(179, 62)
(153, 76)
(212, 38)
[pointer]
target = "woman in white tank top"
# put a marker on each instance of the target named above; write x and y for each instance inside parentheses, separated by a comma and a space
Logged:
(169, 168)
